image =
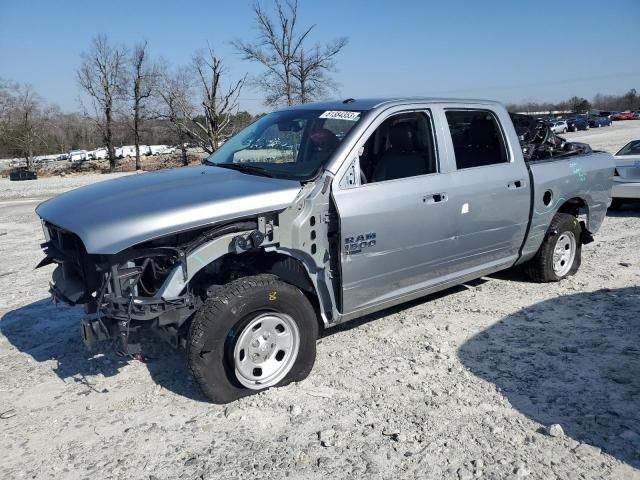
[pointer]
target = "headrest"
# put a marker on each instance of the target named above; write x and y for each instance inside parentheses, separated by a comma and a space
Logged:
(482, 132)
(324, 139)
(401, 137)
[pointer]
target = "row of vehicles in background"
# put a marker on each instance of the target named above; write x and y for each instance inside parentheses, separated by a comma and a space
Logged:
(77, 156)
(587, 121)
(121, 152)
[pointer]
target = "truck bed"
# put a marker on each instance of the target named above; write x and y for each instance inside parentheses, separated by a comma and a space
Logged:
(565, 178)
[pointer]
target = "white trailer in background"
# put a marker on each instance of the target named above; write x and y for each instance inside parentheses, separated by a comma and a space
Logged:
(126, 151)
(157, 149)
(98, 154)
(77, 156)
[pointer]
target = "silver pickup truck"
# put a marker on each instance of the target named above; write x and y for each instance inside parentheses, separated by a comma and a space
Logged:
(313, 216)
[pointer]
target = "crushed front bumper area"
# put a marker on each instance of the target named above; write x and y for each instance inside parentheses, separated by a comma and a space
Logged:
(121, 294)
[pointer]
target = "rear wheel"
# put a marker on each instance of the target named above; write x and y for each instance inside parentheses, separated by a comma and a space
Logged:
(560, 253)
(255, 333)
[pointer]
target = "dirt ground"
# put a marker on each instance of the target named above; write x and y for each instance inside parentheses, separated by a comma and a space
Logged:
(458, 385)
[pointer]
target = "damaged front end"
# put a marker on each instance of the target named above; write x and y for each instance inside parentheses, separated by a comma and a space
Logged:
(121, 293)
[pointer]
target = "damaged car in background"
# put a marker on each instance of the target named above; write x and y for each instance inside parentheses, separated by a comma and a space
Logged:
(313, 216)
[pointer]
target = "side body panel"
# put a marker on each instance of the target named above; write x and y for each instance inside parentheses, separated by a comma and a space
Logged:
(420, 246)
(413, 240)
(586, 177)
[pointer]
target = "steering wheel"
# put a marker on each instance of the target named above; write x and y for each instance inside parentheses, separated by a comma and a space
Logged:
(542, 133)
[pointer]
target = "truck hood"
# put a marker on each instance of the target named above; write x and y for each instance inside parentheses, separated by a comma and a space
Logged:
(113, 215)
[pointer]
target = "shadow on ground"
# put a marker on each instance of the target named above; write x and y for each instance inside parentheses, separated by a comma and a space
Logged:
(630, 208)
(52, 332)
(572, 360)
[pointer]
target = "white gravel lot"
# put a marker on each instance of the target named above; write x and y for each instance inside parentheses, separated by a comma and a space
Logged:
(458, 385)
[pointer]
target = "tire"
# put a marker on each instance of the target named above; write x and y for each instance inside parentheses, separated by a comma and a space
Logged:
(225, 330)
(541, 267)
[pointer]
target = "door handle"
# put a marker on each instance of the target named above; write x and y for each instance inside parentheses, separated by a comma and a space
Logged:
(435, 198)
(516, 184)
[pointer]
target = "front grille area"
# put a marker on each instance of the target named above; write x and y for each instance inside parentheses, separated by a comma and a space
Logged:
(78, 270)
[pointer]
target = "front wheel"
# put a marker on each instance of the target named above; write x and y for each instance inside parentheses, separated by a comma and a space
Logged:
(254, 333)
(560, 253)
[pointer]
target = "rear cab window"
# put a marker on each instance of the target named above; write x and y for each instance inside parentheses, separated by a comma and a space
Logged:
(477, 137)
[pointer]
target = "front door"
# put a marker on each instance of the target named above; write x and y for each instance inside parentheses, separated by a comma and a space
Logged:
(395, 223)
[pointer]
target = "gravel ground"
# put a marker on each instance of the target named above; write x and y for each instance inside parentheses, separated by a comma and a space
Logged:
(464, 384)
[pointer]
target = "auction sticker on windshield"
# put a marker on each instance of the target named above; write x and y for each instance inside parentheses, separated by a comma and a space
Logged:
(341, 115)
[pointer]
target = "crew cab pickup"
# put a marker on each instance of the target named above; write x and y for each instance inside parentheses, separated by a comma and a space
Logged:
(315, 215)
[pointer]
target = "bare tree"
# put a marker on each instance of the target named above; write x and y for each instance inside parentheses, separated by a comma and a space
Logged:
(293, 74)
(311, 71)
(630, 99)
(101, 76)
(175, 106)
(143, 78)
(22, 120)
(219, 101)
(200, 102)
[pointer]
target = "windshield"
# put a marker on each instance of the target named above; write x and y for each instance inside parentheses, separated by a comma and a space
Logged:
(292, 144)
(631, 148)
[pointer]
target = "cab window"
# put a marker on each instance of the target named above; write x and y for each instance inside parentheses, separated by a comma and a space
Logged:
(477, 138)
(402, 146)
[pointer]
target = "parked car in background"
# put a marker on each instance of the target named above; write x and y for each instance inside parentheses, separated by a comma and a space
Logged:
(636, 116)
(599, 121)
(578, 122)
(76, 156)
(604, 113)
(558, 126)
(624, 116)
(626, 176)
(62, 157)
(22, 173)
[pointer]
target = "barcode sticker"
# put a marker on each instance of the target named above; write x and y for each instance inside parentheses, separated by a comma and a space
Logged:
(341, 115)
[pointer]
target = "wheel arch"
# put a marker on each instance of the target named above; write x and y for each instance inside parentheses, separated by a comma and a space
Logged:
(285, 265)
(579, 208)
(576, 206)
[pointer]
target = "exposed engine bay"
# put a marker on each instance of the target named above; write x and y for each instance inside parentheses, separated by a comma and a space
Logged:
(125, 293)
(538, 142)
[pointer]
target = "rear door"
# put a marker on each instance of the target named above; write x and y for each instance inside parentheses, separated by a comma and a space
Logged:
(489, 190)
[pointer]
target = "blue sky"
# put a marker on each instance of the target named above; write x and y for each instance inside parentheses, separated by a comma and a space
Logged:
(508, 50)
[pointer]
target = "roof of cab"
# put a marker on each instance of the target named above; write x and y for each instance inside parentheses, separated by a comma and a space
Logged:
(364, 104)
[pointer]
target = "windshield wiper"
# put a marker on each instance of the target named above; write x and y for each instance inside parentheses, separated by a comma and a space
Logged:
(240, 167)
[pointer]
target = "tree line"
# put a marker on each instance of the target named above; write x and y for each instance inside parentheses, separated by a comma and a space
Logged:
(610, 103)
(131, 97)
